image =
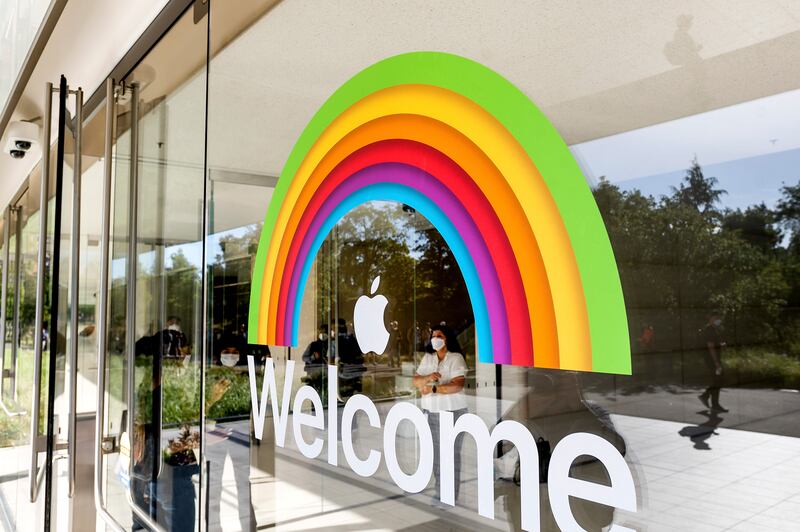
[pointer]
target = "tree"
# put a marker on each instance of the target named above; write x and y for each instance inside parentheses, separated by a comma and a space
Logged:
(788, 214)
(680, 259)
(697, 190)
(756, 224)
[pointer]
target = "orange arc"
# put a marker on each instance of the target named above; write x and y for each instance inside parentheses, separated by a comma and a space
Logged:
(474, 162)
(516, 168)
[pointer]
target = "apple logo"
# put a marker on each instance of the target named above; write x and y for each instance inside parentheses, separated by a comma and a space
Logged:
(371, 333)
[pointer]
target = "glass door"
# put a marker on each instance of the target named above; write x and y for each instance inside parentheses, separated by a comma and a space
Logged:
(19, 279)
(154, 316)
(37, 421)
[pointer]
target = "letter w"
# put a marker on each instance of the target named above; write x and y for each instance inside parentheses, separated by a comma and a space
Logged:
(269, 390)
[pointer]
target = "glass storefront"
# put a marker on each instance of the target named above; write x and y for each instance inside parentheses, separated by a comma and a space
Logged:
(293, 346)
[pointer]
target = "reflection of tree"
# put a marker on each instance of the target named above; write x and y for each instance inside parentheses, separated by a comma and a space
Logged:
(183, 292)
(372, 240)
(441, 292)
(698, 191)
(418, 272)
(231, 273)
(788, 214)
(682, 257)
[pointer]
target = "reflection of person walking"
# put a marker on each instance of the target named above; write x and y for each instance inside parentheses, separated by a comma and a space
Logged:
(712, 335)
(440, 379)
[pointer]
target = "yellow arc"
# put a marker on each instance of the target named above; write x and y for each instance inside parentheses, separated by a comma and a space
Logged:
(513, 163)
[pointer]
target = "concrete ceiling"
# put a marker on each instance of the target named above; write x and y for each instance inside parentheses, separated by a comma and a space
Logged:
(595, 68)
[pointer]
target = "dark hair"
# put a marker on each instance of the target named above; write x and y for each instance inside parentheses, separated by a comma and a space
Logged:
(450, 338)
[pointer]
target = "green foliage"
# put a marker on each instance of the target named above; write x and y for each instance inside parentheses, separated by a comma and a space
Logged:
(418, 271)
(12, 430)
(236, 400)
(698, 191)
(682, 258)
(758, 366)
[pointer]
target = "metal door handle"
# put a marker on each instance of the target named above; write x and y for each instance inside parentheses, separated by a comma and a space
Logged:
(102, 339)
(130, 325)
(3, 305)
(74, 281)
(34, 478)
(102, 333)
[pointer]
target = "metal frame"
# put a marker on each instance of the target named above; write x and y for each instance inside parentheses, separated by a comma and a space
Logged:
(102, 329)
(7, 215)
(17, 288)
(74, 282)
(130, 325)
(102, 323)
(33, 479)
(55, 295)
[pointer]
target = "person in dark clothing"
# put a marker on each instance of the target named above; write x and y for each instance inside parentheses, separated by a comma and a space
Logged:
(231, 349)
(163, 489)
(712, 338)
(315, 358)
(351, 362)
(174, 343)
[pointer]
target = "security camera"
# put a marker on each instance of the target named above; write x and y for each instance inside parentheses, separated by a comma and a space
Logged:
(21, 138)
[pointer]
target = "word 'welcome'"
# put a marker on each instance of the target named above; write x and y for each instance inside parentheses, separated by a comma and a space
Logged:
(620, 493)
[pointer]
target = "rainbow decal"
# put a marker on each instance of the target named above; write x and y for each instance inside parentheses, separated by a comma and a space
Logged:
(472, 154)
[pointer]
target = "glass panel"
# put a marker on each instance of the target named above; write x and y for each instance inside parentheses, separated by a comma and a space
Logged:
(233, 235)
(8, 359)
(160, 152)
(706, 250)
(19, 22)
(18, 384)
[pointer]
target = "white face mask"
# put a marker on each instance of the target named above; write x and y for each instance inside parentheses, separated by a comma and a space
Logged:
(174, 327)
(323, 336)
(437, 343)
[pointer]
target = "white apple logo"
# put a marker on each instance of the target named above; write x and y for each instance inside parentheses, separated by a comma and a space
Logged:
(371, 333)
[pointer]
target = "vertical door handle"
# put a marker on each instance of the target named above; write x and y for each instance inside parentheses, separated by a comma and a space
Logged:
(74, 282)
(34, 478)
(130, 325)
(7, 217)
(102, 333)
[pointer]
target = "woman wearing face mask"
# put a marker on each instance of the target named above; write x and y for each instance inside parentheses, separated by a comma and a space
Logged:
(440, 379)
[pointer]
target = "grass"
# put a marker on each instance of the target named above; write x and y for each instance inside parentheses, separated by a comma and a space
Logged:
(781, 370)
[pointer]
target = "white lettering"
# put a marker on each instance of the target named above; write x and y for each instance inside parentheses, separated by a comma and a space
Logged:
(269, 390)
(368, 467)
(333, 415)
(620, 494)
(485, 442)
(417, 481)
(301, 419)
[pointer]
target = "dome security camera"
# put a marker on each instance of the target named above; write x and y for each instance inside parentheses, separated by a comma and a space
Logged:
(21, 138)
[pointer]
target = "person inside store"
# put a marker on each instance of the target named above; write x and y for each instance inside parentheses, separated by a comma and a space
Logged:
(164, 489)
(350, 360)
(714, 344)
(315, 358)
(231, 348)
(227, 430)
(440, 380)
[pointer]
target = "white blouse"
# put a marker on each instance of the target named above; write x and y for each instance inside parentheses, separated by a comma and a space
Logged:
(450, 367)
